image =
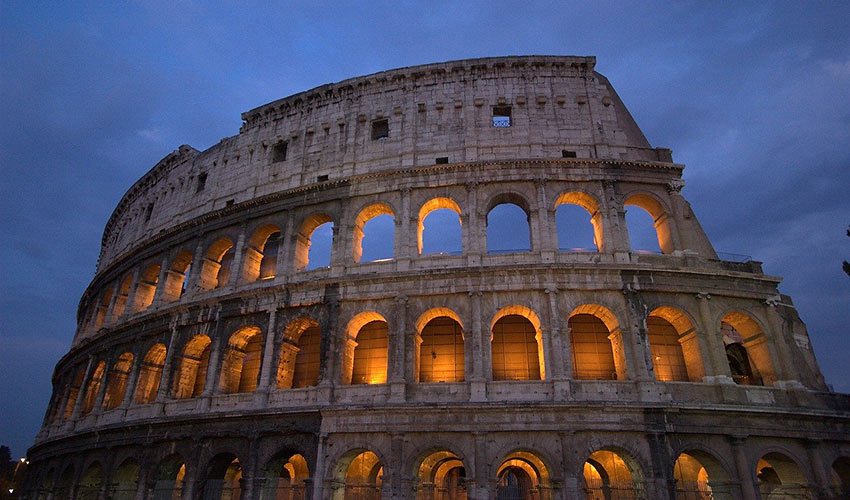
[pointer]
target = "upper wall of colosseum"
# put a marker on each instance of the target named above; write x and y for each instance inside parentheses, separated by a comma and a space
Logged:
(409, 117)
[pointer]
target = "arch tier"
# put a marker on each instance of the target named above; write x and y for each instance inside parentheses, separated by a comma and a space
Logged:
(216, 352)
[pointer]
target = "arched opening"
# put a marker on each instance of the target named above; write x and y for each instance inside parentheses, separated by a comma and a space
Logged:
(116, 383)
(240, 370)
(439, 227)
(611, 475)
(649, 228)
(374, 232)
(440, 357)
(215, 268)
(369, 364)
(841, 477)
(674, 346)
(150, 374)
(125, 480)
(146, 287)
(93, 387)
(169, 478)
(261, 254)
(224, 478)
(300, 355)
(66, 481)
(121, 298)
(441, 476)
(363, 477)
(45, 485)
(699, 476)
(516, 345)
(192, 370)
(313, 243)
(746, 350)
(779, 477)
(175, 277)
(523, 476)
(102, 308)
(286, 478)
(508, 225)
(91, 483)
(578, 223)
(73, 394)
(595, 344)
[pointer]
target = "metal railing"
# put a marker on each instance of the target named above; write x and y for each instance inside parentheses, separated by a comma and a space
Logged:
(734, 257)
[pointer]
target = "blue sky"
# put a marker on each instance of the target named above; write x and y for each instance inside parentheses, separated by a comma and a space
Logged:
(753, 97)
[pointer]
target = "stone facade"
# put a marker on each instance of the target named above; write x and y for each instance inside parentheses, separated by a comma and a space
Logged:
(212, 359)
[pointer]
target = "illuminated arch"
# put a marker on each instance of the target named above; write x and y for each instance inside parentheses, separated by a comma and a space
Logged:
(430, 206)
(175, 277)
(102, 309)
(596, 344)
(121, 299)
(699, 475)
(516, 349)
(191, 376)
(93, 387)
(169, 477)
(674, 345)
(261, 253)
(150, 374)
(73, 393)
(589, 203)
(302, 239)
(286, 476)
(660, 218)
(116, 383)
(91, 483)
(511, 199)
(439, 334)
(364, 216)
(365, 351)
(523, 475)
(146, 287)
(612, 469)
(240, 368)
(125, 480)
(747, 350)
(441, 475)
(215, 268)
(361, 472)
(840, 472)
(300, 354)
(780, 476)
(223, 480)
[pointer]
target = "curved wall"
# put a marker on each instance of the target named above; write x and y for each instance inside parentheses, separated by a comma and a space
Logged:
(207, 339)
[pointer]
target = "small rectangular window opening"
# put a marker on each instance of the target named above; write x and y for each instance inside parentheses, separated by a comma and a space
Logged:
(230, 203)
(148, 212)
(442, 160)
(202, 182)
(380, 129)
(279, 151)
(501, 116)
(321, 178)
(568, 154)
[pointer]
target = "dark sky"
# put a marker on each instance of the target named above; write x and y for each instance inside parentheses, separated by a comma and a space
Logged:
(753, 98)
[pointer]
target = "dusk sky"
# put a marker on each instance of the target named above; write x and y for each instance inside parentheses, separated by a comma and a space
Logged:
(753, 98)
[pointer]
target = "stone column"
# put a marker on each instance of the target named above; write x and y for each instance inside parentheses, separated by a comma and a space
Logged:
(340, 249)
(711, 345)
(283, 266)
(742, 467)
(165, 376)
(396, 347)
(573, 486)
(193, 278)
(319, 469)
(481, 487)
(268, 352)
(402, 246)
(132, 379)
(107, 317)
(475, 233)
(635, 340)
(238, 259)
(662, 480)
(819, 472)
(614, 229)
(543, 236)
(560, 365)
(479, 338)
(397, 467)
(214, 365)
(130, 304)
(81, 393)
(160, 282)
(786, 372)
(101, 390)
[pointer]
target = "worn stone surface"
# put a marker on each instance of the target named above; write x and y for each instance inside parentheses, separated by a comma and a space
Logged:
(174, 359)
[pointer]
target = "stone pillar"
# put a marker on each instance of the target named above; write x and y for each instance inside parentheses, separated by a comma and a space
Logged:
(475, 233)
(819, 472)
(662, 480)
(481, 488)
(238, 258)
(193, 278)
(742, 467)
(101, 390)
(319, 469)
(132, 378)
(573, 485)
(160, 282)
(397, 467)
(340, 249)
(475, 356)
(268, 352)
(288, 352)
(786, 373)
(544, 238)
(165, 376)
(634, 339)
(283, 266)
(81, 393)
(714, 352)
(130, 304)
(396, 347)
(214, 365)
(402, 245)
(560, 364)
(110, 308)
(614, 229)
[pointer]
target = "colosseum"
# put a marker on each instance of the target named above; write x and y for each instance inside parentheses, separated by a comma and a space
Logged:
(238, 341)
